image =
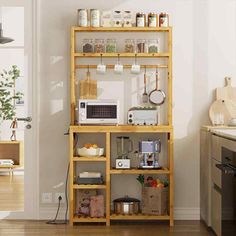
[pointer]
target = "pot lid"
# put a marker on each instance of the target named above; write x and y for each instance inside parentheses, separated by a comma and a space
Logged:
(126, 199)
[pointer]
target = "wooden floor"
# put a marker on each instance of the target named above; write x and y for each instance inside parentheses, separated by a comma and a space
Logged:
(38, 228)
(11, 193)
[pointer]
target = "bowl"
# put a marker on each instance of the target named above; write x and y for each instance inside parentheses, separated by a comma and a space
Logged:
(90, 151)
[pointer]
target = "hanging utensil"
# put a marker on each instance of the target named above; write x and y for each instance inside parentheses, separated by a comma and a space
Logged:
(145, 95)
(157, 96)
(88, 87)
(101, 68)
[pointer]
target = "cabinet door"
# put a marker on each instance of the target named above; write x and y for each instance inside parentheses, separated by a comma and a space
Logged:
(216, 210)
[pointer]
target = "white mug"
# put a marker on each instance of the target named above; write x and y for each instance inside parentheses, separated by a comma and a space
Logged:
(118, 68)
(101, 69)
(135, 69)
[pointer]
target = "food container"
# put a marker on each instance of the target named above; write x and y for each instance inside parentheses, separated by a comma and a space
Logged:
(130, 45)
(94, 18)
(140, 19)
(87, 45)
(141, 46)
(106, 19)
(99, 46)
(153, 46)
(117, 19)
(126, 206)
(82, 17)
(90, 152)
(152, 19)
(111, 45)
(163, 20)
(127, 16)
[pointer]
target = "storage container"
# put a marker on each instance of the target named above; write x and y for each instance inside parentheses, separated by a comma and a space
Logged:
(141, 46)
(152, 19)
(140, 19)
(99, 46)
(153, 46)
(82, 18)
(111, 45)
(87, 45)
(94, 18)
(129, 45)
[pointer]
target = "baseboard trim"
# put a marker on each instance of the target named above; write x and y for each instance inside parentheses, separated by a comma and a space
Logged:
(49, 213)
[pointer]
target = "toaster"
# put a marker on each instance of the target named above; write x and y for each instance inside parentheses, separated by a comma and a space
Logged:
(143, 116)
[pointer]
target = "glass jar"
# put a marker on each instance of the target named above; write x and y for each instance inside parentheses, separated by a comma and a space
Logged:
(82, 17)
(94, 18)
(87, 45)
(163, 20)
(111, 45)
(141, 46)
(127, 19)
(99, 46)
(129, 45)
(152, 19)
(153, 46)
(140, 19)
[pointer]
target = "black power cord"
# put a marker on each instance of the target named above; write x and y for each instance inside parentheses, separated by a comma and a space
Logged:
(55, 221)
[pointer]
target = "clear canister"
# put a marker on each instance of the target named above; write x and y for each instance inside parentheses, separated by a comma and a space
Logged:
(99, 46)
(82, 17)
(152, 19)
(87, 45)
(129, 45)
(141, 46)
(95, 18)
(111, 45)
(153, 46)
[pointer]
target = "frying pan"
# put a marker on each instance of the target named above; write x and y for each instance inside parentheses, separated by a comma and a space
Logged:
(157, 96)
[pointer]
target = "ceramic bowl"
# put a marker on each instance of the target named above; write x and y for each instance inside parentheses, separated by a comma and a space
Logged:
(90, 151)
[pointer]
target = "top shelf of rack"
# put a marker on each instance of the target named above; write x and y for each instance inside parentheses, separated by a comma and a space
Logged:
(121, 29)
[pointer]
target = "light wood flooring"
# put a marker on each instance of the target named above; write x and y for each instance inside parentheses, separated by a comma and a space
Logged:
(11, 193)
(38, 228)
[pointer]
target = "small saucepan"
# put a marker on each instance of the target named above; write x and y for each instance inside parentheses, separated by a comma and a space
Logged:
(126, 206)
(157, 96)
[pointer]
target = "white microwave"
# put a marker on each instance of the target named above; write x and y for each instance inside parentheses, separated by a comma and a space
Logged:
(100, 112)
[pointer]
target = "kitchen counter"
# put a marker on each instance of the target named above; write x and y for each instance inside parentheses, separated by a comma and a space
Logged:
(225, 133)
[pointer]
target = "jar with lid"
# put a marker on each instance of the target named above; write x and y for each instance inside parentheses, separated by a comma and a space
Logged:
(152, 19)
(111, 45)
(87, 45)
(141, 46)
(82, 17)
(140, 19)
(94, 18)
(163, 20)
(153, 46)
(129, 45)
(99, 46)
(127, 15)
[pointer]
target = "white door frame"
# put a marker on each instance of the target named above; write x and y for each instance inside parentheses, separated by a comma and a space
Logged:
(31, 168)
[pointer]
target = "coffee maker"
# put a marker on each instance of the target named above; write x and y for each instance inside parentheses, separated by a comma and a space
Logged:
(149, 154)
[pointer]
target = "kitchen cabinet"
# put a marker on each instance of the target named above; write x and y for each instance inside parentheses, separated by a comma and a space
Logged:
(106, 131)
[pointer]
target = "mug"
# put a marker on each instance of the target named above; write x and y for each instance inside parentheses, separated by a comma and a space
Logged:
(135, 69)
(101, 69)
(118, 68)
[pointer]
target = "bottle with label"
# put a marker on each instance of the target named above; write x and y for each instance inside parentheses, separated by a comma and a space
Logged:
(140, 19)
(94, 18)
(82, 17)
(163, 20)
(152, 19)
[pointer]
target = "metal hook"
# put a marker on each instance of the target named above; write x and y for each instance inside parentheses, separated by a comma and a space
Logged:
(118, 55)
(101, 57)
(135, 59)
(88, 69)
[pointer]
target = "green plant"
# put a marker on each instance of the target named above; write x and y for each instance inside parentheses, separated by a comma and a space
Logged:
(7, 93)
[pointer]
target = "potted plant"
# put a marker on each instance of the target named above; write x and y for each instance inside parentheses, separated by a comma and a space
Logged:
(8, 94)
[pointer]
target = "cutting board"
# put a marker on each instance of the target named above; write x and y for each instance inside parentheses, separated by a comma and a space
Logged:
(226, 93)
(88, 88)
(225, 107)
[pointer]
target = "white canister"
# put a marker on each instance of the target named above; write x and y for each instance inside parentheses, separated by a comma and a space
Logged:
(82, 17)
(94, 18)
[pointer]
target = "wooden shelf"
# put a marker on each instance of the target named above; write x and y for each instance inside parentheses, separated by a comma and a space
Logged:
(121, 29)
(98, 158)
(121, 54)
(88, 219)
(121, 128)
(89, 186)
(139, 171)
(139, 217)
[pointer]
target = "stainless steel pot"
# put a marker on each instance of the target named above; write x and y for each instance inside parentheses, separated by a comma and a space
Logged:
(126, 206)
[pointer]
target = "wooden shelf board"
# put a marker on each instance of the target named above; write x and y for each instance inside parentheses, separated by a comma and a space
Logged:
(8, 166)
(139, 217)
(120, 129)
(139, 171)
(89, 186)
(10, 142)
(98, 158)
(121, 54)
(88, 219)
(121, 29)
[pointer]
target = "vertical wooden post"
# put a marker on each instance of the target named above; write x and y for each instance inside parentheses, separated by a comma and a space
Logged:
(71, 182)
(170, 77)
(108, 178)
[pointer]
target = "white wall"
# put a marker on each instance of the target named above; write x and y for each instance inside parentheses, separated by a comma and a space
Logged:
(204, 51)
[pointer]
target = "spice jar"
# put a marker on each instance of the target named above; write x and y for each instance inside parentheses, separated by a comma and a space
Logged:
(82, 18)
(140, 19)
(163, 20)
(152, 19)
(153, 46)
(111, 45)
(87, 45)
(129, 45)
(117, 19)
(141, 45)
(99, 46)
(127, 16)
(94, 18)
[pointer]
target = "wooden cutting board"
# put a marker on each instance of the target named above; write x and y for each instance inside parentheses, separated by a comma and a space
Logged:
(225, 107)
(88, 88)
(226, 93)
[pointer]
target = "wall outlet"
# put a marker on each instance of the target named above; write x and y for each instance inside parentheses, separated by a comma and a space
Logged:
(56, 196)
(46, 198)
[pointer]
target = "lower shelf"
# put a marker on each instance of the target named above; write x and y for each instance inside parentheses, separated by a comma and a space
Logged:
(139, 217)
(88, 219)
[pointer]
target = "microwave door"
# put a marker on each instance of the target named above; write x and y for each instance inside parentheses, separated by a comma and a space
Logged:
(101, 111)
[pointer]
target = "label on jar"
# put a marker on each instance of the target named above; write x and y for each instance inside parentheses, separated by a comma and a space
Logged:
(140, 21)
(164, 21)
(152, 21)
(95, 18)
(82, 18)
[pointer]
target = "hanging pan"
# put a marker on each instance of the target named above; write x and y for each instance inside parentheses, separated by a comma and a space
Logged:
(157, 96)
